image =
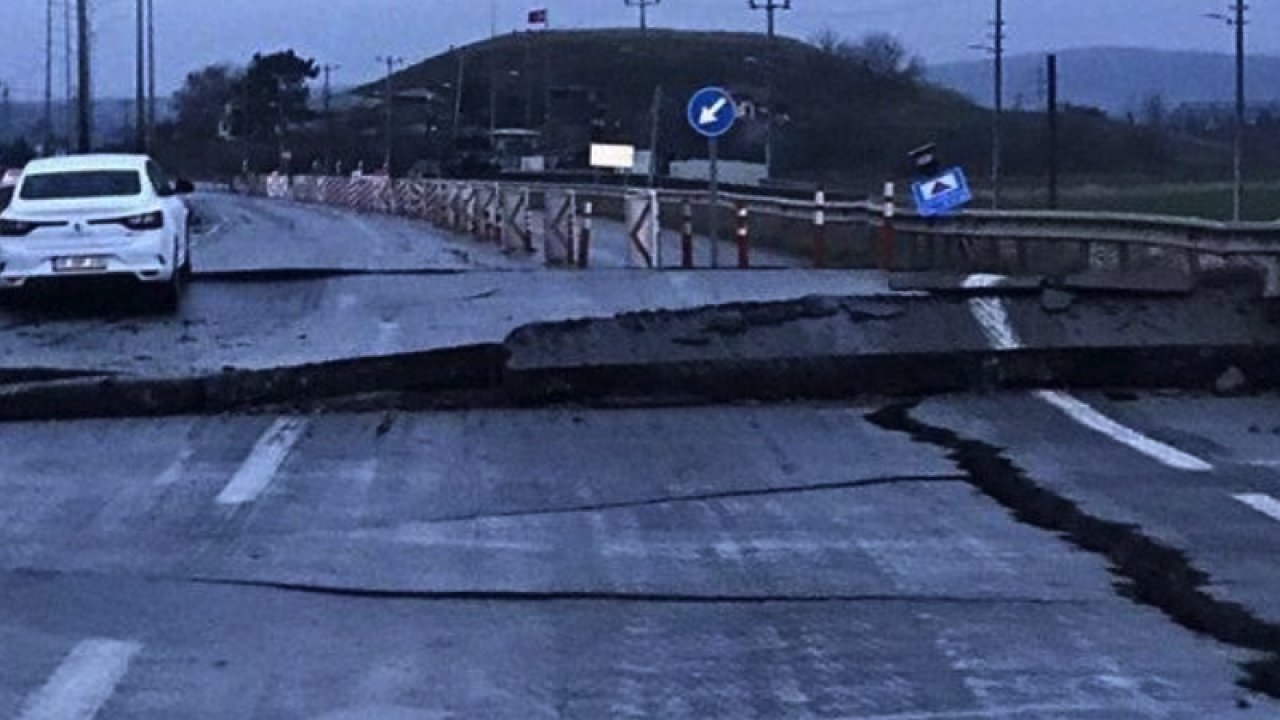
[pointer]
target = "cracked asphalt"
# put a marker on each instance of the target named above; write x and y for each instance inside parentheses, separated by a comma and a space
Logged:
(1017, 555)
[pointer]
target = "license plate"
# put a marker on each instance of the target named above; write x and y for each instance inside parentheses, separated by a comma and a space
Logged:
(88, 263)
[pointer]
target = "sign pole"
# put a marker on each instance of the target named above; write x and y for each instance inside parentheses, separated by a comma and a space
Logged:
(713, 152)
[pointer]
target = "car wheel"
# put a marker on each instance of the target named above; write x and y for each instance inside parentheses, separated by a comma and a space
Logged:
(167, 297)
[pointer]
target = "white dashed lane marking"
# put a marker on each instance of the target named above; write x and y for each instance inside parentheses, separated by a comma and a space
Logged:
(1264, 504)
(263, 462)
(83, 683)
(993, 318)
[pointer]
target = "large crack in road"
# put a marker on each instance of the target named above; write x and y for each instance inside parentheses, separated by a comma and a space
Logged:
(1150, 572)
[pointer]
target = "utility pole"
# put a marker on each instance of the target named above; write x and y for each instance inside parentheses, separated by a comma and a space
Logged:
(140, 89)
(1052, 79)
(997, 130)
(48, 78)
(1236, 19)
(655, 130)
(770, 7)
(84, 83)
(151, 71)
(996, 49)
(6, 116)
(391, 63)
(328, 114)
(644, 6)
(68, 87)
(458, 86)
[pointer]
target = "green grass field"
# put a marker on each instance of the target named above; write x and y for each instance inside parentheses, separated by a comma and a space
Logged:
(1210, 201)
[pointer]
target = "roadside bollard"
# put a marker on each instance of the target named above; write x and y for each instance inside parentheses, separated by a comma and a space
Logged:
(526, 219)
(744, 236)
(584, 243)
(886, 229)
(820, 229)
(686, 236)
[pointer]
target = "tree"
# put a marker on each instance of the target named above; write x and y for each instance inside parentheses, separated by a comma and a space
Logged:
(884, 54)
(202, 104)
(880, 53)
(1154, 113)
(274, 95)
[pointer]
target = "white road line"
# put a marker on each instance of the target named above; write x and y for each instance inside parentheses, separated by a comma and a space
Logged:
(1264, 504)
(83, 683)
(1010, 711)
(991, 314)
(1094, 420)
(270, 452)
(993, 318)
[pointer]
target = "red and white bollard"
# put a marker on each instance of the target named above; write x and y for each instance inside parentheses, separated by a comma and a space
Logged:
(584, 242)
(886, 229)
(744, 236)
(820, 229)
(686, 236)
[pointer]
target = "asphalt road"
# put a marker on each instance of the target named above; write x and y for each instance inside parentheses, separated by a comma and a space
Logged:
(283, 284)
(711, 562)
(1014, 556)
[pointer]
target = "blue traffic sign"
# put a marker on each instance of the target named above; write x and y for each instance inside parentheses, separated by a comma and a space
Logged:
(712, 112)
(942, 194)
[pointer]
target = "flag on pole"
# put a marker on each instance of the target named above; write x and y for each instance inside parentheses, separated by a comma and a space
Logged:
(538, 16)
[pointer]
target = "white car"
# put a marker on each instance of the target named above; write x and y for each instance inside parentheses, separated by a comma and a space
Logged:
(97, 215)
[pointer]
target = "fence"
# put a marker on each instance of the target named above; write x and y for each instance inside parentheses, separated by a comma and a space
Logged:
(828, 233)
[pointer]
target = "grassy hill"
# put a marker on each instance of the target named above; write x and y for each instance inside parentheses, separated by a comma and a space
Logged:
(842, 122)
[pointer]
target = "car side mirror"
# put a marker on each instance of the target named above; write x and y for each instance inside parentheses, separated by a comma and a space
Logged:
(183, 187)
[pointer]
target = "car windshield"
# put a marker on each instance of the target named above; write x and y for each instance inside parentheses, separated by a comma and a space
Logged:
(82, 184)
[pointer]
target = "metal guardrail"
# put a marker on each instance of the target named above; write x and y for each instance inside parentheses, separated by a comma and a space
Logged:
(1130, 237)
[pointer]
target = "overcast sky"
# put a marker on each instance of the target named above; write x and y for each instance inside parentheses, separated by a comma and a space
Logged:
(352, 33)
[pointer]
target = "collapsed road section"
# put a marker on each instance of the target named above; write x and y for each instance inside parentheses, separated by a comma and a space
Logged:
(818, 347)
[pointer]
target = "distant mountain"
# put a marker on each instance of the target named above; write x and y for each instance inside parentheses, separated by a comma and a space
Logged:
(1118, 80)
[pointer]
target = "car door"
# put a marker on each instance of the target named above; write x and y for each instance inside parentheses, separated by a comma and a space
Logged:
(175, 209)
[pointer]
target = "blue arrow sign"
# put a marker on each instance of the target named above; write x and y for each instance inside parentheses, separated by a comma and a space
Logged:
(942, 194)
(712, 112)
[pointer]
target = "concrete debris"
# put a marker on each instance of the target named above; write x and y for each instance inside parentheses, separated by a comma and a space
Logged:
(1231, 382)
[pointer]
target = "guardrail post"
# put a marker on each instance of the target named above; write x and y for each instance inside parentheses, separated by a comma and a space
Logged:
(820, 228)
(496, 228)
(686, 234)
(886, 229)
(744, 236)
(584, 242)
